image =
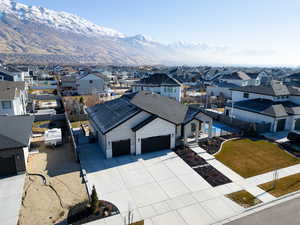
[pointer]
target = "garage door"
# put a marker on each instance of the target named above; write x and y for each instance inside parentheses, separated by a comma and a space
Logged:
(7, 167)
(121, 147)
(156, 143)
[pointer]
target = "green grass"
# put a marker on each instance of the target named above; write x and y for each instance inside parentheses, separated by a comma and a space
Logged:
(283, 186)
(253, 157)
(244, 198)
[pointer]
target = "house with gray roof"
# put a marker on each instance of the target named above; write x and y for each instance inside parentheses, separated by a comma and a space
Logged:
(275, 104)
(241, 78)
(13, 98)
(143, 122)
(15, 135)
(160, 83)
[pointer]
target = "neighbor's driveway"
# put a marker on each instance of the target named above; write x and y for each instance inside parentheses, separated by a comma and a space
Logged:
(11, 190)
(160, 187)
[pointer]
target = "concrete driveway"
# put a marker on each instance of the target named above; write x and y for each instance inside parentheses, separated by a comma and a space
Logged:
(11, 190)
(159, 187)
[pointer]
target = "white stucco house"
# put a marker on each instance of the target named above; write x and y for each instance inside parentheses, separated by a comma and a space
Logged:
(160, 83)
(144, 122)
(241, 79)
(276, 104)
(90, 84)
(13, 98)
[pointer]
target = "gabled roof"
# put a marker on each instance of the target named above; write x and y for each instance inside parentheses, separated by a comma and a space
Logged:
(269, 107)
(111, 114)
(239, 75)
(15, 131)
(159, 79)
(275, 89)
(164, 107)
(144, 123)
(11, 89)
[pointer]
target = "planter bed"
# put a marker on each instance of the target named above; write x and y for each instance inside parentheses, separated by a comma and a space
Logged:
(213, 176)
(208, 172)
(81, 213)
(190, 157)
(212, 145)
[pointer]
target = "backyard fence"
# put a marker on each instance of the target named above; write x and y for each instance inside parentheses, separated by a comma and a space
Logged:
(239, 124)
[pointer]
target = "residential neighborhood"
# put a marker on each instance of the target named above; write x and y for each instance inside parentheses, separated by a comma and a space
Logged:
(163, 156)
(197, 123)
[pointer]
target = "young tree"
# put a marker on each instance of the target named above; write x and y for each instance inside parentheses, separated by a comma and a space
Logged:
(94, 200)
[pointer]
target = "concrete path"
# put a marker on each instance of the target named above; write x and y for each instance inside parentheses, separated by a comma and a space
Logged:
(11, 191)
(159, 187)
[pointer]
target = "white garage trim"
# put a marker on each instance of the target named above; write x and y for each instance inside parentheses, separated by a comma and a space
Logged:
(157, 127)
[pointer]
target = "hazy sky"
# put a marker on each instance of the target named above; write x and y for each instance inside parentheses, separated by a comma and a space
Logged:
(268, 26)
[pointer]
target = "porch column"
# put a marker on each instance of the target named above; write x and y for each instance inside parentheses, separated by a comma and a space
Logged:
(184, 135)
(197, 131)
(210, 129)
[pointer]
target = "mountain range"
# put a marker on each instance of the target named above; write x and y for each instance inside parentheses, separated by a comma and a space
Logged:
(33, 34)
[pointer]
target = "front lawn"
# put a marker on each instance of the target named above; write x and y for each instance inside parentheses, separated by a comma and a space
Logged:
(253, 157)
(244, 198)
(283, 186)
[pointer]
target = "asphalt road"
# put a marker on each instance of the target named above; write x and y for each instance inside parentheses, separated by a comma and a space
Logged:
(286, 213)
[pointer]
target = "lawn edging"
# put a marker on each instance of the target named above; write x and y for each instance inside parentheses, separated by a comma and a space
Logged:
(220, 149)
(260, 207)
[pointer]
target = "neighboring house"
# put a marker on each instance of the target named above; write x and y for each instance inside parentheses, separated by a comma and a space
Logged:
(90, 84)
(241, 79)
(293, 79)
(6, 76)
(276, 104)
(144, 122)
(13, 98)
(68, 82)
(221, 88)
(15, 135)
(160, 83)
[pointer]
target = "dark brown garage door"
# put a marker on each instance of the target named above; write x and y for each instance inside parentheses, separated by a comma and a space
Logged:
(121, 147)
(156, 143)
(7, 167)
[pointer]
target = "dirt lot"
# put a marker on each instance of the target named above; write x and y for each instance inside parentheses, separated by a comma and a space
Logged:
(48, 203)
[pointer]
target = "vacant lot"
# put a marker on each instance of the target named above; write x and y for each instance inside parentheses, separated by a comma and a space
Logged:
(44, 204)
(253, 157)
(283, 186)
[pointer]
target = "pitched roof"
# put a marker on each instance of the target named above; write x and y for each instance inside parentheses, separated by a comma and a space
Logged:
(159, 79)
(112, 113)
(275, 89)
(238, 75)
(144, 123)
(15, 131)
(269, 107)
(11, 89)
(164, 107)
(109, 115)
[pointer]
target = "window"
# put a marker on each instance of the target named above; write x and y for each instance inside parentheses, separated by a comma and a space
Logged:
(246, 95)
(90, 81)
(6, 104)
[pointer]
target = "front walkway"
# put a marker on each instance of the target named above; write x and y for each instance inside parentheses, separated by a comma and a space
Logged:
(240, 183)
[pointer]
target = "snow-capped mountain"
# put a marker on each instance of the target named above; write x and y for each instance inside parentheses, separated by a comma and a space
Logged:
(33, 34)
(58, 20)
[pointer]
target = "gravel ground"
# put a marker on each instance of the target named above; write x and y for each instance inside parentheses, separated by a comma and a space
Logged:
(44, 204)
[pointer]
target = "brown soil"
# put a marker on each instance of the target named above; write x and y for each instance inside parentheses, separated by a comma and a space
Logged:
(49, 203)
